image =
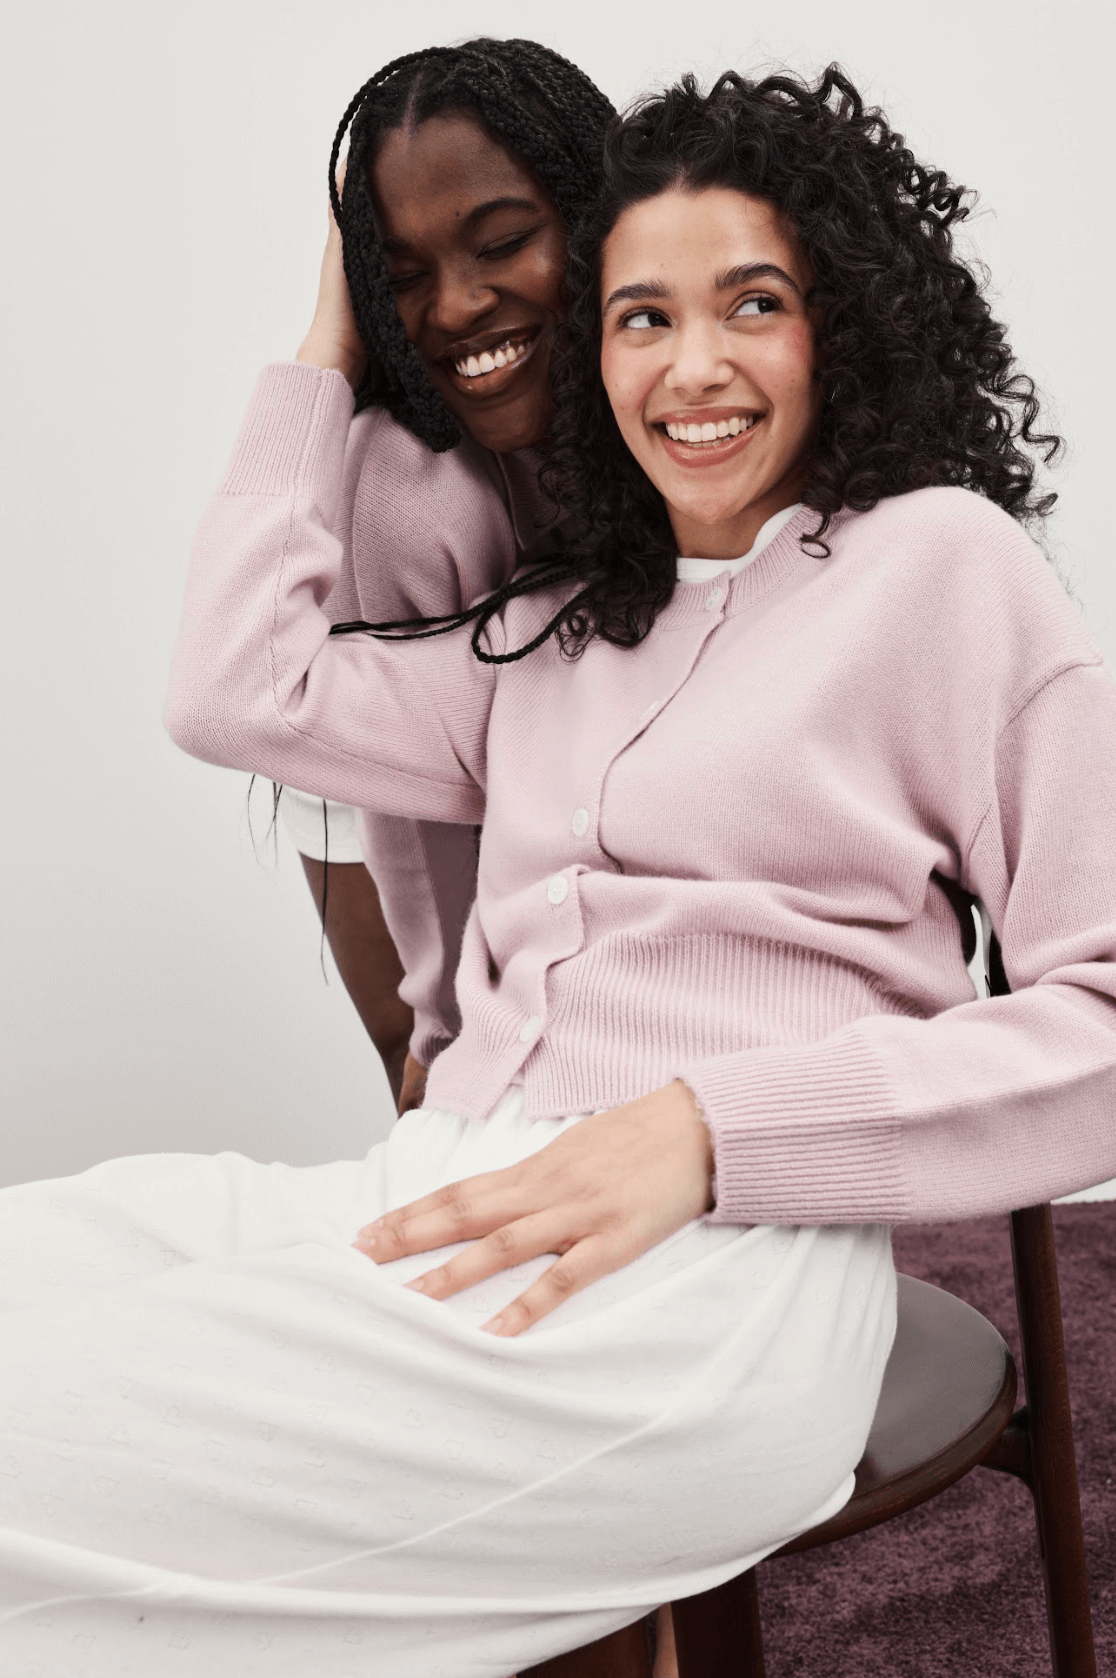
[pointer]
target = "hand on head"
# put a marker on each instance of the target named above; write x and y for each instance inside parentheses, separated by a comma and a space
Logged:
(333, 340)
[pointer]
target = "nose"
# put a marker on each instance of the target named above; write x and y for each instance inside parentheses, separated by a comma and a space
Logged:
(463, 295)
(700, 363)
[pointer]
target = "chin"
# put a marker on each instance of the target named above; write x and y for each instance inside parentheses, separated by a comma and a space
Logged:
(506, 430)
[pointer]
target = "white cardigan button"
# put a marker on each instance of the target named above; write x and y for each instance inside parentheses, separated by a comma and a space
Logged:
(580, 823)
(529, 1029)
(558, 889)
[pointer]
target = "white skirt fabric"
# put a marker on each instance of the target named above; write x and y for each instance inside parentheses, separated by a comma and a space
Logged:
(230, 1444)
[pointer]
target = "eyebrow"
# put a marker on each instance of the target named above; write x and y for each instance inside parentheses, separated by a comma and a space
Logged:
(649, 291)
(392, 246)
(746, 271)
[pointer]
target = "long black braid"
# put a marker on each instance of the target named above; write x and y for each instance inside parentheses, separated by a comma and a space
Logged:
(536, 103)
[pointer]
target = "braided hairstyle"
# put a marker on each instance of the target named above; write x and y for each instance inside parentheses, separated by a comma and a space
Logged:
(533, 102)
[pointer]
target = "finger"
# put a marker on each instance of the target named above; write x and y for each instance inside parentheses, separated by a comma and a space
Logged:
(504, 1248)
(585, 1262)
(460, 1211)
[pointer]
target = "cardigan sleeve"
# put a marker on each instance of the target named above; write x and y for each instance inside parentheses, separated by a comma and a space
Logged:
(257, 681)
(995, 1104)
(426, 534)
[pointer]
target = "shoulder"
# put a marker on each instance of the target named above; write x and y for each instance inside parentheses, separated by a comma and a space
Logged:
(957, 547)
(962, 584)
(944, 519)
(429, 531)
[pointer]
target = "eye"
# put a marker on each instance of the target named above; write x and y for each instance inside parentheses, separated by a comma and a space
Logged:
(645, 320)
(507, 247)
(753, 306)
(402, 282)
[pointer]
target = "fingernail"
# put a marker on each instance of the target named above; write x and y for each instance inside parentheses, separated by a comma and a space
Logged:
(494, 1326)
(418, 1285)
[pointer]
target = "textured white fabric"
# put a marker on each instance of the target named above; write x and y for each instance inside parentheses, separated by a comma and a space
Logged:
(701, 570)
(305, 817)
(230, 1444)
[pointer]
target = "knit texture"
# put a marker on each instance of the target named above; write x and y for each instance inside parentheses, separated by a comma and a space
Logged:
(421, 535)
(724, 855)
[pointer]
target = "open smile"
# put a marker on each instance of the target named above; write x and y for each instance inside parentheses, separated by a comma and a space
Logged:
(709, 437)
(485, 371)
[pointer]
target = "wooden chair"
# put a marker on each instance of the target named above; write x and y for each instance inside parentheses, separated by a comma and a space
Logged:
(947, 1406)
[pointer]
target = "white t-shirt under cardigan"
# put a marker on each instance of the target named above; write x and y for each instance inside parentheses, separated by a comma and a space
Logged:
(730, 854)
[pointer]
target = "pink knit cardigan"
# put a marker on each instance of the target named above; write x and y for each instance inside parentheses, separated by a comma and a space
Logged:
(424, 534)
(724, 855)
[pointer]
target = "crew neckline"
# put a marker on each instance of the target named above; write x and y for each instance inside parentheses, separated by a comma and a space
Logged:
(701, 570)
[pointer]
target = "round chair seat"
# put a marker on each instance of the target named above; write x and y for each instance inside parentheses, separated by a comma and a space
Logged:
(948, 1394)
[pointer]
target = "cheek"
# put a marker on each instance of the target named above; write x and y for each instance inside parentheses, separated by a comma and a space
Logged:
(539, 279)
(627, 385)
(791, 372)
(410, 313)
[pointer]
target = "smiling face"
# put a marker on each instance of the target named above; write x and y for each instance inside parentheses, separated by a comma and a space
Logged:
(707, 355)
(475, 251)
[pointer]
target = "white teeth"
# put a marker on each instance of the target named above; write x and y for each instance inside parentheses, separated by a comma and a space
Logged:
(710, 432)
(474, 366)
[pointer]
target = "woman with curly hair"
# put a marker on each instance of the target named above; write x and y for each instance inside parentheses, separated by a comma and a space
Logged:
(795, 689)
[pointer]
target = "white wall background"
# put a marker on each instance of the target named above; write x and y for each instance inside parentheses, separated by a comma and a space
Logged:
(164, 213)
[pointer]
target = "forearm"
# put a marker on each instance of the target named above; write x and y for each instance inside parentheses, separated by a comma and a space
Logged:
(259, 684)
(366, 957)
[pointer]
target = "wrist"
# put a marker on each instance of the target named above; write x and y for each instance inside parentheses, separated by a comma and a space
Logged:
(320, 350)
(705, 1135)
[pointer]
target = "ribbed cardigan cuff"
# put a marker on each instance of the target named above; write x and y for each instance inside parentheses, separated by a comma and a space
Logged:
(802, 1135)
(294, 433)
(428, 1040)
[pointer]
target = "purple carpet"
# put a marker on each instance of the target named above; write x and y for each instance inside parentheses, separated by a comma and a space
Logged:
(953, 1589)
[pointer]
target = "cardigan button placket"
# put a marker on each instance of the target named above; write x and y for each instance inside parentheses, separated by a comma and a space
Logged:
(558, 889)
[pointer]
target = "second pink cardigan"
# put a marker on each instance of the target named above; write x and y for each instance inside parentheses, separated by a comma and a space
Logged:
(424, 534)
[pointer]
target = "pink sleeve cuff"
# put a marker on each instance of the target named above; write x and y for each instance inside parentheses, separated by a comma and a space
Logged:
(802, 1135)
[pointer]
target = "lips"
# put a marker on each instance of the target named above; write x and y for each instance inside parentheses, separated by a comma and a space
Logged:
(708, 437)
(482, 367)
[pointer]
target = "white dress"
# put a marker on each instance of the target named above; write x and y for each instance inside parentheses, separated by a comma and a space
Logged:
(230, 1444)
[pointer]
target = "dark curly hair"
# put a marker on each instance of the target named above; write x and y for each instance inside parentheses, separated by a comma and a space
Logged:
(918, 381)
(535, 103)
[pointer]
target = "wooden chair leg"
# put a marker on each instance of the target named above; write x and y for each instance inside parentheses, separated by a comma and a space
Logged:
(622, 1654)
(1053, 1468)
(718, 1634)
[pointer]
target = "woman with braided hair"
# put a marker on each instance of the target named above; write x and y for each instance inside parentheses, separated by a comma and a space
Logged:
(466, 166)
(794, 689)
